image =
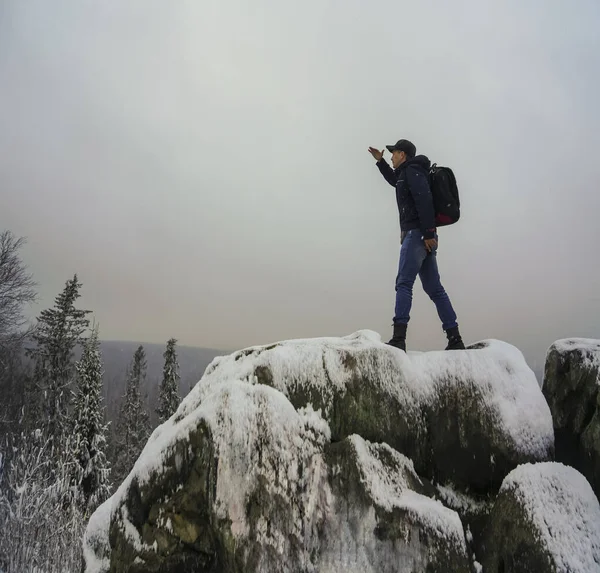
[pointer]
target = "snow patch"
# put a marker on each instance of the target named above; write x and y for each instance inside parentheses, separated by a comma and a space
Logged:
(390, 489)
(132, 534)
(459, 501)
(468, 535)
(96, 549)
(588, 347)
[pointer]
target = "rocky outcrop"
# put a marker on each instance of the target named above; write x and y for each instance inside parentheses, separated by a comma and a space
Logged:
(546, 519)
(318, 455)
(571, 384)
(469, 417)
(264, 490)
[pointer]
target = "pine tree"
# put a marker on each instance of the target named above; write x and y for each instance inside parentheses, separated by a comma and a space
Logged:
(133, 428)
(89, 429)
(169, 387)
(58, 332)
(39, 526)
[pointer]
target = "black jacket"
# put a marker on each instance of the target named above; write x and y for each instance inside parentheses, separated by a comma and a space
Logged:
(413, 195)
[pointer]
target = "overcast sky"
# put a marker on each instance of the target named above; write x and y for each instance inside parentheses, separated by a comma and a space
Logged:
(203, 166)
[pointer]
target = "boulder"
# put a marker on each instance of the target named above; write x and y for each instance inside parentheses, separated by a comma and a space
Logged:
(317, 455)
(237, 485)
(466, 417)
(571, 382)
(546, 519)
(247, 484)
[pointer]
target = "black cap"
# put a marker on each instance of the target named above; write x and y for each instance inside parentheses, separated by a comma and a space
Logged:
(403, 145)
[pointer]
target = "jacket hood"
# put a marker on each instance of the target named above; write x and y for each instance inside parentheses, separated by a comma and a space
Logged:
(418, 161)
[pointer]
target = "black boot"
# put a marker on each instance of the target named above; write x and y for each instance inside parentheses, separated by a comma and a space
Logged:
(399, 338)
(455, 342)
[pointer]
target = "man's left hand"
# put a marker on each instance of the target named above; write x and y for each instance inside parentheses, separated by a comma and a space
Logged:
(430, 244)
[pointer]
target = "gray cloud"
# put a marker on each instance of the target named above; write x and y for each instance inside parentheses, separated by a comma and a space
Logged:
(203, 167)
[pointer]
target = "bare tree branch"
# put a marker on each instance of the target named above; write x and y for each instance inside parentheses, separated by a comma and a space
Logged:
(17, 288)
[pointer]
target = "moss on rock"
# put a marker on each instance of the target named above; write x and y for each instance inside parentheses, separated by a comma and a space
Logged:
(571, 384)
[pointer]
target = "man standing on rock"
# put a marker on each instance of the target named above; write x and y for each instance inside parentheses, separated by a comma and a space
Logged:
(418, 240)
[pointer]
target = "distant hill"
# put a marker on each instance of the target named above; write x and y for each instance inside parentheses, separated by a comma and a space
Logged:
(118, 355)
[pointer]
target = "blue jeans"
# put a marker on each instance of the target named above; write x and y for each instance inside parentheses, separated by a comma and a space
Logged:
(415, 260)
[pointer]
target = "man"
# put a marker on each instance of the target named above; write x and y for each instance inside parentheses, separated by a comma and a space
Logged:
(418, 240)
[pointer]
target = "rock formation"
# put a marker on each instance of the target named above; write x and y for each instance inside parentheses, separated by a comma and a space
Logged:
(571, 384)
(334, 455)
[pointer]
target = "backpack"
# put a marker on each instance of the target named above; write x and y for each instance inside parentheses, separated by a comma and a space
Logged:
(444, 191)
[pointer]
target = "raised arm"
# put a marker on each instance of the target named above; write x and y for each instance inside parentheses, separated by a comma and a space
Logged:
(388, 173)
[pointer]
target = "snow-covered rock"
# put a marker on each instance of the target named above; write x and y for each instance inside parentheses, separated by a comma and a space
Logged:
(315, 455)
(546, 519)
(383, 518)
(249, 484)
(239, 484)
(468, 417)
(571, 384)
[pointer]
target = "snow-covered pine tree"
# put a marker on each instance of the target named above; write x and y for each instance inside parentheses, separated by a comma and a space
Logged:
(38, 531)
(168, 400)
(89, 430)
(58, 332)
(133, 428)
